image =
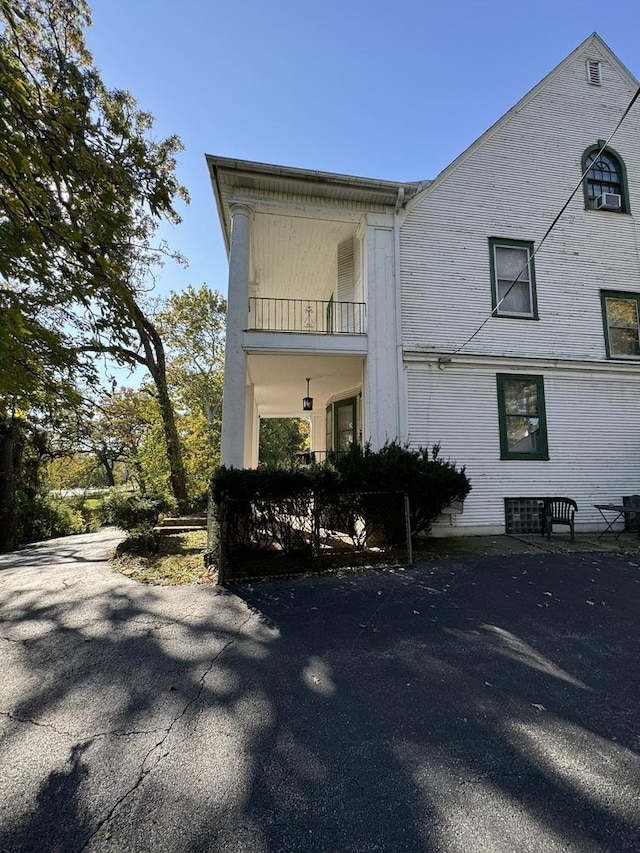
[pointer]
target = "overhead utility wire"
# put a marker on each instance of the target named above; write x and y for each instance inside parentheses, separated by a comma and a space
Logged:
(553, 224)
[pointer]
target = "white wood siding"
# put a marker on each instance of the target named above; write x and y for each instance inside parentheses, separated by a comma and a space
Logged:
(592, 428)
(512, 186)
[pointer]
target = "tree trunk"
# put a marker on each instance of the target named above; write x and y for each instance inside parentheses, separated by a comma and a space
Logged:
(8, 508)
(108, 466)
(156, 363)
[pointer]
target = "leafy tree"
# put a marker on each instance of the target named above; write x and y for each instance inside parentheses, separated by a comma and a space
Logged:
(82, 186)
(83, 189)
(192, 326)
(281, 439)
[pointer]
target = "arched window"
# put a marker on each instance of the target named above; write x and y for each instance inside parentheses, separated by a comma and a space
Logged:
(605, 176)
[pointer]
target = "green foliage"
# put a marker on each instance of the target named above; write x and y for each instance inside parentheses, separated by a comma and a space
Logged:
(192, 326)
(281, 439)
(131, 510)
(140, 541)
(431, 483)
(46, 517)
(84, 187)
(89, 508)
(244, 484)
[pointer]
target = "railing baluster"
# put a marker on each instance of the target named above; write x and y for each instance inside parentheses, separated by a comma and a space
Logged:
(306, 315)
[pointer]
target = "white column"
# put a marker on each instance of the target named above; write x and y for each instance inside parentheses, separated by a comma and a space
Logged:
(251, 429)
(234, 409)
(318, 432)
(381, 391)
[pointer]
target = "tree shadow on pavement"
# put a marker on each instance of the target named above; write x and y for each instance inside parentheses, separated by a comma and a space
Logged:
(477, 705)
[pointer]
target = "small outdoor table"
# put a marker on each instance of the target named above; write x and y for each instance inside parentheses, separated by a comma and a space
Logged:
(615, 512)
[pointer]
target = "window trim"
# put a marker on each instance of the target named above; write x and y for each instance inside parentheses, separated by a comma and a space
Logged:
(622, 174)
(617, 294)
(505, 453)
(518, 244)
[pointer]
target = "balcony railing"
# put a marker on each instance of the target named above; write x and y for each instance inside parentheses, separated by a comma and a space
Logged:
(316, 457)
(307, 315)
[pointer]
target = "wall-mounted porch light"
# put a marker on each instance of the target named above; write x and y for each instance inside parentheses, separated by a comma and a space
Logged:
(307, 402)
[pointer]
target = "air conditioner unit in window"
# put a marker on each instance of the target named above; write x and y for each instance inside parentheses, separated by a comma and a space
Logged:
(608, 201)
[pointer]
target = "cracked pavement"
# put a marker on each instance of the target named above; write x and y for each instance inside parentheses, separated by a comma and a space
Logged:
(488, 704)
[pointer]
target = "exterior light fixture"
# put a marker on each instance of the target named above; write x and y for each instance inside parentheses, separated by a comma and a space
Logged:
(307, 402)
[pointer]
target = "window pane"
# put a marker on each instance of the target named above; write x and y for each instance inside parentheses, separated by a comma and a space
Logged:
(520, 397)
(345, 415)
(523, 434)
(603, 176)
(622, 319)
(511, 262)
(512, 277)
(517, 299)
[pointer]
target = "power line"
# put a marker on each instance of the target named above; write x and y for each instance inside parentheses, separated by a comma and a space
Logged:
(552, 226)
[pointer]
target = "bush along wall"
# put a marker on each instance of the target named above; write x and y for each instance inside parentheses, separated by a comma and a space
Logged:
(300, 518)
(431, 483)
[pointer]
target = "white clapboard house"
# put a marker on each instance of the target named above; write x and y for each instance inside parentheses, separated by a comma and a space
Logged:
(431, 312)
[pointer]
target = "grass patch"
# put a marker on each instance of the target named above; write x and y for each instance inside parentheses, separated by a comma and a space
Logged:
(177, 561)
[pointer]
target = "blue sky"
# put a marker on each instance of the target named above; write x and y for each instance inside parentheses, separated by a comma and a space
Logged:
(391, 90)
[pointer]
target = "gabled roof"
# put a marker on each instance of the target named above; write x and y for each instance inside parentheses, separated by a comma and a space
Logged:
(593, 41)
(232, 178)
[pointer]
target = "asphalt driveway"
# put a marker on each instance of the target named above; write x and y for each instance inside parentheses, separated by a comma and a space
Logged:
(488, 704)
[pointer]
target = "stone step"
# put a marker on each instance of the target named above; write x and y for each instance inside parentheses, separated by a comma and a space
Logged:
(171, 529)
(191, 521)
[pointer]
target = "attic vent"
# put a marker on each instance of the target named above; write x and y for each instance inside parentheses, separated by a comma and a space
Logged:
(594, 72)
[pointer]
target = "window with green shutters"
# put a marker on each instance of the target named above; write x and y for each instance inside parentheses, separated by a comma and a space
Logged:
(522, 418)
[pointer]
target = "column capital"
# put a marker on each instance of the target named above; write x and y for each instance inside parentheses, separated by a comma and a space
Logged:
(240, 208)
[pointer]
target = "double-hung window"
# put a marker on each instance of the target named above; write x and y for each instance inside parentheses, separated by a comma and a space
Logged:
(621, 318)
(521, 414)
(513, 281)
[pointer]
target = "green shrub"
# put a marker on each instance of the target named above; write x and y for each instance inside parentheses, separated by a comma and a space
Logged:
(46, 517)
(130, 510)
(430, 483)
(141, 541)
(244, 484)
(90, 508)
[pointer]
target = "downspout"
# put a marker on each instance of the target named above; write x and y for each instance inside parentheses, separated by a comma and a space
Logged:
(403, 425)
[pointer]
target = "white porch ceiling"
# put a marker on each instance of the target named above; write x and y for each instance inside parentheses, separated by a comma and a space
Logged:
(295, 257)
(280, 381)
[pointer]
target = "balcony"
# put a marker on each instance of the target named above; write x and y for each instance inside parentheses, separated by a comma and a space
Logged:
(307, 315)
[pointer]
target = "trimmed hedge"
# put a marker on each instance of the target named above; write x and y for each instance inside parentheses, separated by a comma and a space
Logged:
(430, 482)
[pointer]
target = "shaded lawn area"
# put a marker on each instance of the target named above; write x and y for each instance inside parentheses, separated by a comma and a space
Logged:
(178, 560)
